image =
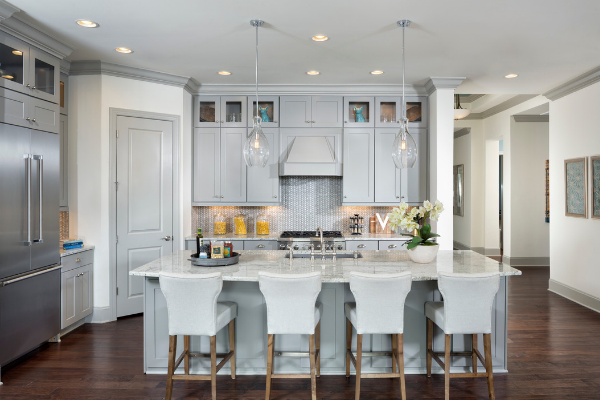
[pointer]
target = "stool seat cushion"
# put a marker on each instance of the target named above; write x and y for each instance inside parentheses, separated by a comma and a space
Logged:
(434, 310)
(318, 312)
(226, 312)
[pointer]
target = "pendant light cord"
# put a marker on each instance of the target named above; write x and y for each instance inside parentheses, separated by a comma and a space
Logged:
(403, 72)
(257, 70)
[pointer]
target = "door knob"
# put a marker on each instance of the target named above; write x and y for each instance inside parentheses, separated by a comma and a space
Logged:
(166, 238)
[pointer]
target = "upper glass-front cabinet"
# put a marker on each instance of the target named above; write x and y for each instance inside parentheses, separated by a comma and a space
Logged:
(358, 112)
(388, 111)
(28, 70)
(268, 110)
(220, 111)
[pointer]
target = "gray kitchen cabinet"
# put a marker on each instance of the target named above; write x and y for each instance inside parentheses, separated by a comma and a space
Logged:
(64, 94)
(233, 166)
(362, 245)
(311, 111)
(207, 162)
(354, 106)
(388, 112)
(64, 163)
(29, 70)
(359, 166)
(29, 112)
(392, 245)
(220, 111)
(260, 245)
(263, 183)
(77, 288)
(234, 111)
(271, 106)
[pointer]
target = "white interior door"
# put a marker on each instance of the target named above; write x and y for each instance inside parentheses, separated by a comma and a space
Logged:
(144, 203)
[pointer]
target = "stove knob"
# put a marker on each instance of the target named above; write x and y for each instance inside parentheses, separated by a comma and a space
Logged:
(282, 247)
(295, 247)
(318, 247)
(340, 247)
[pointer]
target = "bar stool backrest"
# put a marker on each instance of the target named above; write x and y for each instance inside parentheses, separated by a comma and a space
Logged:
(380, 301)
(192, 302)
(468, 301)
(290, 301)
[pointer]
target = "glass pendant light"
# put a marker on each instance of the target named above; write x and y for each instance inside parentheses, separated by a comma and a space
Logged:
(256, 148)
(404, 150)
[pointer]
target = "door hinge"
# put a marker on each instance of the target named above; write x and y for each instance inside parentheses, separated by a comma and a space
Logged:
(117, 133)
(116, 185)
(117, 239)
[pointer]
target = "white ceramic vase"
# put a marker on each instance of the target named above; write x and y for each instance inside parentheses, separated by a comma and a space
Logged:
(423, 254)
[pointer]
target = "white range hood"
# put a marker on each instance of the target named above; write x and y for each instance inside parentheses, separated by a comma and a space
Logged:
(311, 152)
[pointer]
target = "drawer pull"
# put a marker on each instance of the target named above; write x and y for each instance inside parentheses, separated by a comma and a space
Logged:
(392, 246)
(361, 246)
(261, 246)
(78, 260)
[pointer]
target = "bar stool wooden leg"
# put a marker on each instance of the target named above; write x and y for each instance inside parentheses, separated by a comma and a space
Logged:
(474, 356)
(394, 351)
(269, 366)
(429, 345)
(232, 346)
(318, 347)
(313, 378)
(400, 346)
(447, 362)
(213, 366)
(348, 346)
(171, 370)
(186, 349)
(487, 347)
(358, 365)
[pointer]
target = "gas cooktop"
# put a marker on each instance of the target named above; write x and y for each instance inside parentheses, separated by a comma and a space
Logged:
(310, 234)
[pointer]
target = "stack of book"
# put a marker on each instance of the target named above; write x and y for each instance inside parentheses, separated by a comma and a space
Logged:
(72, 244)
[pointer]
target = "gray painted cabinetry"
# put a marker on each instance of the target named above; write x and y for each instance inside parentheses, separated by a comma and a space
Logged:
(359, 156)
(77, 287)
(311, 111)
(64, 164)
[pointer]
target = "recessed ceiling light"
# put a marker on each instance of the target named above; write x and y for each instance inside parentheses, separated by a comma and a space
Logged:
(376, 72)
(511, 76)
(320, 38)
(313, 72)
(224, 73)
(124, 50)
(17, 52)
(87, 24)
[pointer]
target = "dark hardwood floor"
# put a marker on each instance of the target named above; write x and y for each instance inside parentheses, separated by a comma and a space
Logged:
(553, 353)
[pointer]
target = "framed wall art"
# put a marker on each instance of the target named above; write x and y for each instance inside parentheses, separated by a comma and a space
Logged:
(459, 190)
(576, 187)
(595, 172)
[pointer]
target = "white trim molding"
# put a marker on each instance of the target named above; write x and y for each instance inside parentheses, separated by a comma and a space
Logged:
(512, 102)
(460, 133)
(526, 261)
(471, 98)
(532, 118)
(291, 89)
(577, 296)
(7, 10)
(460, 246)
(35, 36)
(65, 66)
(100, 315)
(435, 82)
(575, 84)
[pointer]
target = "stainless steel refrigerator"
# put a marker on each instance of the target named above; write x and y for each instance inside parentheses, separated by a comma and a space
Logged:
(29, 239)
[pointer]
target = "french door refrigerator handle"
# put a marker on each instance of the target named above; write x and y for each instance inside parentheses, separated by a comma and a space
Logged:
(27, 158)
(21, 278)
(40, 160)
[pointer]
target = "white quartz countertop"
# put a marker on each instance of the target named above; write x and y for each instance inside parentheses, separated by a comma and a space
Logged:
(374, 261)
(64, 253)
(275, 236)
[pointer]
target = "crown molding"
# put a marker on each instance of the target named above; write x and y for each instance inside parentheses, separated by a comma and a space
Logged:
(34, 36)
(462, 132)
(510, 103)
(300, 89)
(574, 85)
(65, 66)
(473, 116)
(531, 118)
(7, 10)
(471, 98)
(435, 82)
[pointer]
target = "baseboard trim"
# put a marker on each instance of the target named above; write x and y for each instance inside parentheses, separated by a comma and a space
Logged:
(460, 246)
(576, 296)
(100, 315)
(526, 261)
(492, 252)
(479, 250)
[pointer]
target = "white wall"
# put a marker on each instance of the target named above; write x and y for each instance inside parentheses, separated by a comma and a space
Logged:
(574, 242)
(530, 236)
(462, 224)
(91, 98)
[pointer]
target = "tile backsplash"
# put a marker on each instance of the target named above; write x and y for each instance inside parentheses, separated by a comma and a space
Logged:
(63, 227)
(306, 203)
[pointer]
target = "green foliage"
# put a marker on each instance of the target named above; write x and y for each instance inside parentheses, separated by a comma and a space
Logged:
(423, 238)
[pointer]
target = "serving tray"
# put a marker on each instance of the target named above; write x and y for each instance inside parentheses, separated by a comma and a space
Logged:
(216, 262)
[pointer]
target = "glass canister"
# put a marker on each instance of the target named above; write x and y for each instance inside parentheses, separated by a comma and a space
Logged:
(262, 225)
(239, 224)
(220, 225)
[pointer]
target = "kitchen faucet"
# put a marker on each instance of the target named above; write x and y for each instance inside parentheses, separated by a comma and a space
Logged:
(320, 230)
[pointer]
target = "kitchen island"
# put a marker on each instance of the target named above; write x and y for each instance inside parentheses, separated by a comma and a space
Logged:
(241, 286)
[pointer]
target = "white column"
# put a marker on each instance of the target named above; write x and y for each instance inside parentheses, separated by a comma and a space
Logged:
(441, 153)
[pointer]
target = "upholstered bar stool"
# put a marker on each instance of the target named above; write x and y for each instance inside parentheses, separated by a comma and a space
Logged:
(194, 311)
(466, 310)
(292, 308)
(379, 309)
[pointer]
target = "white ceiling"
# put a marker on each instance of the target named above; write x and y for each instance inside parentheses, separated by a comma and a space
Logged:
(546, 42)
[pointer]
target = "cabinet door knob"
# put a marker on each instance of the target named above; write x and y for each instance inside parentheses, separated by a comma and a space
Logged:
(33, 120)
(397, 197)
(222, 196)
(78, 260)
(27, 119)
(308, 122)
(392, 246)
(275, 196)
(403, 196)
(345, 122)
(261, 246)
(275, 121)
(28, 85)
(361, 246)
(313, 122)
(33, 87)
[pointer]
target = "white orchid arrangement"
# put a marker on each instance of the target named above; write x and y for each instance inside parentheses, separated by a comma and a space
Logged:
(416, 218)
